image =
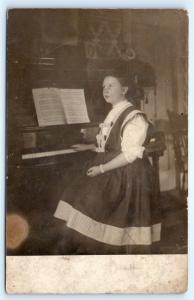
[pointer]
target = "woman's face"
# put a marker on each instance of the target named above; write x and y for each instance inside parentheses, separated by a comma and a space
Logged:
(113, 91)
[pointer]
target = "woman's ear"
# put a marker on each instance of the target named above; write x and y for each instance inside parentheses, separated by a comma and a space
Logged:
(125, 90)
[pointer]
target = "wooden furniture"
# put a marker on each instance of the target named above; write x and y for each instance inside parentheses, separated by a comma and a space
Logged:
(179, 131)
(155, 150)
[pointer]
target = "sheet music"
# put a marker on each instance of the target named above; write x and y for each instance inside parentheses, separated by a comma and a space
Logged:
(73, 101)
(48, 106)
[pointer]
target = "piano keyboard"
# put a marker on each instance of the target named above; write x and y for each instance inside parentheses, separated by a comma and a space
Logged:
(47, 153)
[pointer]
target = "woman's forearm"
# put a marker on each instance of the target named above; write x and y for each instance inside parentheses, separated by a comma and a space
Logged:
(84, 147)
(117, 162)
(91, 147)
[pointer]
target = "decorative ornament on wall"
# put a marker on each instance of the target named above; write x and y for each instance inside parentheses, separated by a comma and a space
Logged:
(128, 53)
(105, 42)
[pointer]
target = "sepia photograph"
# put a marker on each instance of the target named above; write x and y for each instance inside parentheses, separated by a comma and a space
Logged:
(97, 133)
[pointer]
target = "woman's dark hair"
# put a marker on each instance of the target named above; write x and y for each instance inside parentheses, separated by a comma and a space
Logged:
(135, 93)
(124, 80)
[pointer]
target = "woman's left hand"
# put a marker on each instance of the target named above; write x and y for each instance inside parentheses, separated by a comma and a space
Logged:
(93, 171)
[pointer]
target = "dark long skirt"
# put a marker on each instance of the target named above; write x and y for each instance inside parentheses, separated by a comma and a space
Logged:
(114, 212)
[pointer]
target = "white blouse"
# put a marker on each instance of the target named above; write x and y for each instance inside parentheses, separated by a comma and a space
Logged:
(134, 133)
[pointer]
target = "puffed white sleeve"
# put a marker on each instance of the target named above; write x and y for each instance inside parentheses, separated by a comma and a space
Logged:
(133, 137)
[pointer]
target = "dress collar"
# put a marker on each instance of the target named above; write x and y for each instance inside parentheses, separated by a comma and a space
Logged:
(117, 110)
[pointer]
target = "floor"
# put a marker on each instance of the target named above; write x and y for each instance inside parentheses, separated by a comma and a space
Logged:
(47, 237)
(174, 223)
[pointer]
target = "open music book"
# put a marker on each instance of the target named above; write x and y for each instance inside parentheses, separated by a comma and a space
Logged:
(60, 106)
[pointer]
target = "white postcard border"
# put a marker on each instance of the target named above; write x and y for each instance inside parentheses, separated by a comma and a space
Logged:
(77, 274)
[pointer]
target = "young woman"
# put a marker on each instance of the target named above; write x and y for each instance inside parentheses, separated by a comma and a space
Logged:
(109, 208)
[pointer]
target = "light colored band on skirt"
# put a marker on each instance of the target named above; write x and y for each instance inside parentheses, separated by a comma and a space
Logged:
(104, 233)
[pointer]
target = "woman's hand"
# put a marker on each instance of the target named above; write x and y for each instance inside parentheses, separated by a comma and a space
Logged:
(93, 171)
(83, 147)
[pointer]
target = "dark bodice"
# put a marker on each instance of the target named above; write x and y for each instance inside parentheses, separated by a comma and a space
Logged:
(114, 140)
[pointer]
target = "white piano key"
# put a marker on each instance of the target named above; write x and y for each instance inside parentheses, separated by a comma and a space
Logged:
(47, 153)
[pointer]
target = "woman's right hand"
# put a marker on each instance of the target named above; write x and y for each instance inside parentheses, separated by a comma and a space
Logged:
(83, 147)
